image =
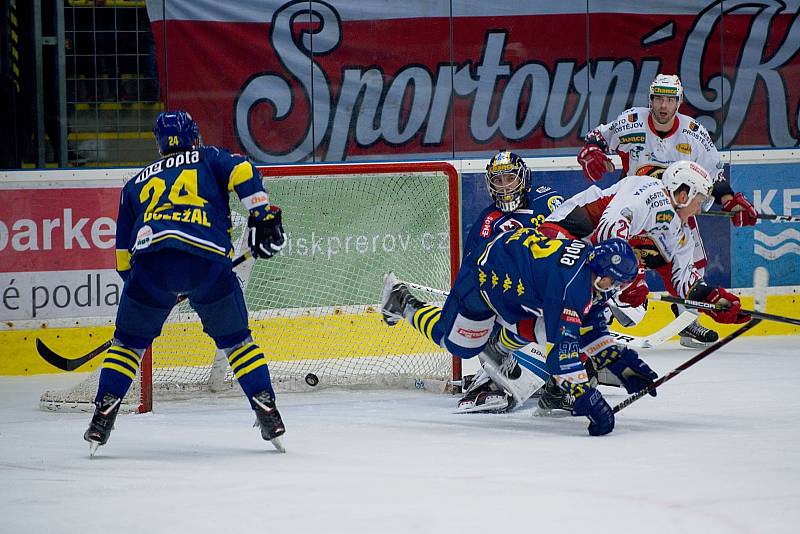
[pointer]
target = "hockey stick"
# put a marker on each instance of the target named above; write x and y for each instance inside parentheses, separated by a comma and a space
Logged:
(647, 342)
(763, 216)
(685, 365)
(700, 305)
(70, 364)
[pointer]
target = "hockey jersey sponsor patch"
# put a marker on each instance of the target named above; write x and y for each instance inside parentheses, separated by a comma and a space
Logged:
(143, 238)
(684, 148)
(470, 334)
(554, 202)
(631, 138)
(488, 222)
(511, 224)
(633, 117)
(570, 316)
(665, 216)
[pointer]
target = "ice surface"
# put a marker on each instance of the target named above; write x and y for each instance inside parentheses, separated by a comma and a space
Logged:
(717, 451)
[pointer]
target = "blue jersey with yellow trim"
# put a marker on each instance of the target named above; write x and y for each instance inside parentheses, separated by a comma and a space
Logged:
(182, 201)
(523, 274)
(539, 203)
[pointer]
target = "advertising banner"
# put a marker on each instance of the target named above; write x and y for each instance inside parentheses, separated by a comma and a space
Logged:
(57, 253)
(309, 80)
(775, 190)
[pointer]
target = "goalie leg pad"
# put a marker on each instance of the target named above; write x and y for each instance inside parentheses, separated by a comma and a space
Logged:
(520, 383)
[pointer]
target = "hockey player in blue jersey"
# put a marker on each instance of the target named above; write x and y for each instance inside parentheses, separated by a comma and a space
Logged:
(515, 202)
(524, 278)
(173, 239)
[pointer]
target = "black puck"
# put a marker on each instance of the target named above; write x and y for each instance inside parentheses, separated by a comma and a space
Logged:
(312, 380)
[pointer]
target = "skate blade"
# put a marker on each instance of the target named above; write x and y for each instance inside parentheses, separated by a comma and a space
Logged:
(93, 446)
(499, 407)
(550, 412)
(692, 343)
(276, 442)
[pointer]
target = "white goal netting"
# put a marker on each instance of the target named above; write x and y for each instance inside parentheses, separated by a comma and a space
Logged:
(314, 309)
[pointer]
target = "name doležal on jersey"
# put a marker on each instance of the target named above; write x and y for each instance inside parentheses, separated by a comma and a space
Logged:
(167, 212)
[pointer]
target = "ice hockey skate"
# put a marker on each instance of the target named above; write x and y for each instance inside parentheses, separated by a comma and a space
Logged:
(268, 419)
(483, 396)
(554, 401)
(695, 336)
(102, 422)
(396, 300)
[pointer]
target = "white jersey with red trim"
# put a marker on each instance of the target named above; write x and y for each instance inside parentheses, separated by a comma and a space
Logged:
(634, 138)
(634, 206)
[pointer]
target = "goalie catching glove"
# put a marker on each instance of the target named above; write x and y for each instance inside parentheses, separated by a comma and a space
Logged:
(730, 311)
(266, 237)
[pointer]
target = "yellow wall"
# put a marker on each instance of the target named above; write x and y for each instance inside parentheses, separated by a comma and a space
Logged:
(18, 354)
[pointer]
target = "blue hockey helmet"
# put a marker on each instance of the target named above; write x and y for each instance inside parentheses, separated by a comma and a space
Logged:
(616, 259)
(508, 180)
(175, 130)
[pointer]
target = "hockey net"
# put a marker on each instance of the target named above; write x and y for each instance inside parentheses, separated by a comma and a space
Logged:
(315, 307)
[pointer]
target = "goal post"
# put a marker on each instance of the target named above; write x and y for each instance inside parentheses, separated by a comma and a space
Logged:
(314, 307)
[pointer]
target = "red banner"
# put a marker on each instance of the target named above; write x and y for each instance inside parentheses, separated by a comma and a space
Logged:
(57, 229)
(298, 81)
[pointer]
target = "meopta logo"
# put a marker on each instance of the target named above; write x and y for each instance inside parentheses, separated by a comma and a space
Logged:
(472, 334)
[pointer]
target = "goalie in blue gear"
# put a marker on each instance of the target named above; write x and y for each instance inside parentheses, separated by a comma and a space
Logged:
(173, 238)
(525, 288)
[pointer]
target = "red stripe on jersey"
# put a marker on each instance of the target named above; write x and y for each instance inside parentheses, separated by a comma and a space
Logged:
(663, 135)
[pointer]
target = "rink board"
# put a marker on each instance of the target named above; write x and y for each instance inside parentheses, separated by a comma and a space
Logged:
(20, 356)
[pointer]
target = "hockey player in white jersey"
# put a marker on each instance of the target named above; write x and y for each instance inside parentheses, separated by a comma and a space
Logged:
(657, 136)
(652, 214)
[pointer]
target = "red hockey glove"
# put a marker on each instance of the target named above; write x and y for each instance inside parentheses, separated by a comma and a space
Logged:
(594, 162)
(746, 215)
(635, 294)
(733, 307)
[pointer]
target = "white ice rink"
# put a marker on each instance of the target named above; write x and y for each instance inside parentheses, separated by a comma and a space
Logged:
(717, 451)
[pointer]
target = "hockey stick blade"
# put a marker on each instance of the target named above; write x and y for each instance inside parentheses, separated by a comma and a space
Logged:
(762, 216)
(70, 364)
(685, 365)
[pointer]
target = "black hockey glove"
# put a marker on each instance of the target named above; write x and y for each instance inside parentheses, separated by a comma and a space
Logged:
(266, 237)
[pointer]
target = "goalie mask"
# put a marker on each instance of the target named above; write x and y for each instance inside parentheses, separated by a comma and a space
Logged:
(694, 177)
(508, 180)
(176, 131)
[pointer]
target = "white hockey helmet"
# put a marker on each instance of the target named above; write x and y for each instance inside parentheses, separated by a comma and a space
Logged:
(667, 85)
(693, 176)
